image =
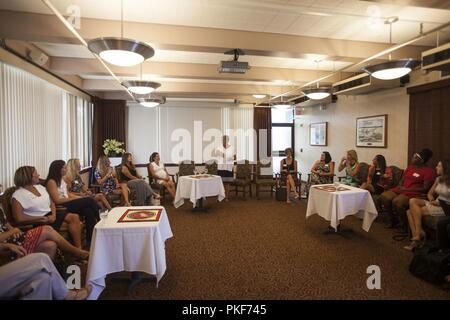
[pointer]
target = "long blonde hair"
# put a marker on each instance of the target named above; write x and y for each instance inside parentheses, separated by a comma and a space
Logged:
(101, 165)
(72, 170)
(353, 155)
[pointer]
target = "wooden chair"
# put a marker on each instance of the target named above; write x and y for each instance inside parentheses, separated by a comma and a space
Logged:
(212, 167)
(186, 168)
(243, 178)
(264, 178)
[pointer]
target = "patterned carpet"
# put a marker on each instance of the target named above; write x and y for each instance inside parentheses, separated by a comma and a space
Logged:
(267, 250)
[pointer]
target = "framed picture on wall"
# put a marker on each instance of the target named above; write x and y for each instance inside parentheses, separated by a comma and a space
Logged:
(371, 131)
(318, 134)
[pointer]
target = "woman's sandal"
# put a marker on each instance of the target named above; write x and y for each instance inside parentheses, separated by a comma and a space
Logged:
(414, 244)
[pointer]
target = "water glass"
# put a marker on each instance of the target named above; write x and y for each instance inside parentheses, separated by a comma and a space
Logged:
(103, 214)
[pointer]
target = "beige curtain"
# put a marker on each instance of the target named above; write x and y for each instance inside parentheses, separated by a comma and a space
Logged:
(38, 124)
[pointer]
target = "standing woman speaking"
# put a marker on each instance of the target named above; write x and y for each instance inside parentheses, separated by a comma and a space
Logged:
(84, 206)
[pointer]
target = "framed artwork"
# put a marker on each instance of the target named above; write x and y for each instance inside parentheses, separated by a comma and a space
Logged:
(371, 131)
(140, 215)
(318, 134)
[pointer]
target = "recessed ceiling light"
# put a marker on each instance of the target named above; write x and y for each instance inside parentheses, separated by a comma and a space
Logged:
(259, 96)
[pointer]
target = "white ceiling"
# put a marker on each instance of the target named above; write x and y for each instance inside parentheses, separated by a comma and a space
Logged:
(79, 51)
(337, 19)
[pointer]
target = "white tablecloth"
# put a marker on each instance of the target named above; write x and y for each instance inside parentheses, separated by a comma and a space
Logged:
(197, 188)
(335, 206)
(129, 246)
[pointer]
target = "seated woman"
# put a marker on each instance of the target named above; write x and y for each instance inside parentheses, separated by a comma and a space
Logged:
(40, 239)
(352, 167)
(419, 207)
(78, 188)
(322, 171)
(107, 179)
(34, 277)
(289, 168)
(133, 180)
(83, 206)
(31, 203)
(416, 181)
(379, 178)
(160, 173)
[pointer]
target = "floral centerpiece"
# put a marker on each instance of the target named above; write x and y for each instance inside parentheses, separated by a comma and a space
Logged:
(113, 148)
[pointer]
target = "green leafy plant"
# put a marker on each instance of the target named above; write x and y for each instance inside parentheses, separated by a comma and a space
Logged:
(112, 147)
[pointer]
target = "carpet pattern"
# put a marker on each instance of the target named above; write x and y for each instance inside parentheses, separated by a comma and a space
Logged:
(264, 249)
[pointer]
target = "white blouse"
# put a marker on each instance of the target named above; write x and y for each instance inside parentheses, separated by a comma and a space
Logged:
(225, 157)
(159, 170)
(33, 205)
(62, 189)
(443, 191)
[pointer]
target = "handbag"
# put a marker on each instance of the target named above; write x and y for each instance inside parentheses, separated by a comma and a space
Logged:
(280, 194)
(430, 264)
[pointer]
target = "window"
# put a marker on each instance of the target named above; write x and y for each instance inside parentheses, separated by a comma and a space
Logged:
(282, 135)
(39, 123)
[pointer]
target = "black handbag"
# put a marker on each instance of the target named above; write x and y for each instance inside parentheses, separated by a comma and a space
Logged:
(280, 194)
(430, 264)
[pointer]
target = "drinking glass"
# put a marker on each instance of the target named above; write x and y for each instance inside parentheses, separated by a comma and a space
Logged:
(103, 214)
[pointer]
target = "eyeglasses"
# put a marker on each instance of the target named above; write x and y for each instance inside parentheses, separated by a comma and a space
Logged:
(418, 156)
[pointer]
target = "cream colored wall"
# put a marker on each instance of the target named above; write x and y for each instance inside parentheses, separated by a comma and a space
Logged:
(341, 117)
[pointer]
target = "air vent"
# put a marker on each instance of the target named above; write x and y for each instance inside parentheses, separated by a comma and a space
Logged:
(364, 84)
(437, 58)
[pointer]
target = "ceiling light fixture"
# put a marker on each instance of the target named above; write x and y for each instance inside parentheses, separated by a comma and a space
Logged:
(141, 86)
(282, 105)
(151, 102)
(317, 93)
(120, 51)
(259, 96)
(392, 69)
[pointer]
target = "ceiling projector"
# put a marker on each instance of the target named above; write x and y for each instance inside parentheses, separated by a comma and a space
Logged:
(234, 66)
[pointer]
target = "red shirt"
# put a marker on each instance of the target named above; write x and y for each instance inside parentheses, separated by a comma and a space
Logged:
(414, 178)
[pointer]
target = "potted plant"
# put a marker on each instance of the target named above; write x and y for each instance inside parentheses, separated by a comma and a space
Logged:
(113, 148)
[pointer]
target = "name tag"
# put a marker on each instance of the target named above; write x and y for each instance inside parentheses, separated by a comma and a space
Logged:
(416, 175)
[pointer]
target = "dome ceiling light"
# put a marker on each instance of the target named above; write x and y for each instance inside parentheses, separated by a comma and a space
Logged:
(319, 92)
(392, 69)
(151, 102)
(282, 105)
(121, 52)
(141, 86)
